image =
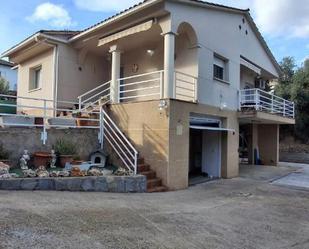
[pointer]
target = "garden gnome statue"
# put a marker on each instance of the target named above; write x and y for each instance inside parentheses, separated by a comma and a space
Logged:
(53, 159)
(24, 160)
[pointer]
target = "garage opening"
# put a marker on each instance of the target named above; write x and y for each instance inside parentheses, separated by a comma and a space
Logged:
(205, 149)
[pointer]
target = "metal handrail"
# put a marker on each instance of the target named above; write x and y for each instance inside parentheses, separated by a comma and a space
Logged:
(262, 100)
(122, 146)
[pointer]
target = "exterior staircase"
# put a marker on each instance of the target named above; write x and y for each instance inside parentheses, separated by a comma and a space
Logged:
(154, 184)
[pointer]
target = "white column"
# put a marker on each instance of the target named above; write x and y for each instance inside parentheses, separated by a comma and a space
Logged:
(169, 64)
(115, 74)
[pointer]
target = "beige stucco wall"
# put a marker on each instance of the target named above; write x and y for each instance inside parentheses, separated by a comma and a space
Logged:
(46, 91)
(147, 128)
(76, 76)
(154, 133)
(178, 167)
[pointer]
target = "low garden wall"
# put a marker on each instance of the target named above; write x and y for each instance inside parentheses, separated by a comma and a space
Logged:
(16, 140)
(115, 184)
(294, 157)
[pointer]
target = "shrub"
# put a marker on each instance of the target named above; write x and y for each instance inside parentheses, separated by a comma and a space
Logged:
(65, 147)
(4, 155)
(4, 86)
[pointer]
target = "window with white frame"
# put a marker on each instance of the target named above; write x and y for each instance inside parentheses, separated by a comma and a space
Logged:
(220, 68)
(35, 78)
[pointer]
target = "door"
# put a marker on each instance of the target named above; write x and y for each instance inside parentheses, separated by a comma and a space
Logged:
(211, 156)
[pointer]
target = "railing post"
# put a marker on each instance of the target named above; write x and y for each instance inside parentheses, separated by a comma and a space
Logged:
(239, 100)
(272, 103)
(161, 85)
(135, 163)
(44, 135)
(257, 99)
(79, 103)
(284, 108)
(101, 135)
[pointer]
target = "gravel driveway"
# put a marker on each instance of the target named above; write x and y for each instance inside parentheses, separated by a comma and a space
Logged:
(238, 213)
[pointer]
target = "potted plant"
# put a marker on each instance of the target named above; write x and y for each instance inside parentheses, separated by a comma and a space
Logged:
(4, 155)
(66, 150)
(41, 159)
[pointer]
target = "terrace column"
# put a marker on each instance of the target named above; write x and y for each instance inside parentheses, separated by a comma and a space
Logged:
(115, 73)
(169, 64)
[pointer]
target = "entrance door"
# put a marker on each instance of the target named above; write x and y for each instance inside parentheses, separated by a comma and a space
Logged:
(211, 156)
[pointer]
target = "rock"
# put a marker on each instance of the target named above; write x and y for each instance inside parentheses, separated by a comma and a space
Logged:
(29, 184)
(64, 173)
(12, 184)
(95, 172)
(88, 184)
(107, 172)
(123, 172)
(45, 184)
(101, 185)
(29, 173)
(42, 172)
(74, 184)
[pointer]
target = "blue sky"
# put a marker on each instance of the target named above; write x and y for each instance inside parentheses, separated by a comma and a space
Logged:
(283, 23)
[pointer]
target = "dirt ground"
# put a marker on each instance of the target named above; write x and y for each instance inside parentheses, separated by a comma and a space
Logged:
(245, 212)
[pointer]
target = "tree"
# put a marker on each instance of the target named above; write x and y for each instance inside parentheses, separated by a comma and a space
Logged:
(4, 86)
(300, 95)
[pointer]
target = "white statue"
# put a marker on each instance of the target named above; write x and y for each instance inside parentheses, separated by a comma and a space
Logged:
(53, 159)
(24, 160)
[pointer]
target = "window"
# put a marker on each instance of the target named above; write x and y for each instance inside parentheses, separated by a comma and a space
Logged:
(35, 78)
(220, 68)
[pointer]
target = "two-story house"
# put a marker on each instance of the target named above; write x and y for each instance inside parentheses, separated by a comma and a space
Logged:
(179, 78)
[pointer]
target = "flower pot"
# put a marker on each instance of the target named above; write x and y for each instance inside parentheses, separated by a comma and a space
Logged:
(65, 159)
(41, 159)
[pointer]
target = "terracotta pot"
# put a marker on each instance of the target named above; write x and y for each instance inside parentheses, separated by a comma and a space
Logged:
(38, 121)
(77, 162)
(41, 159)
(65, 159)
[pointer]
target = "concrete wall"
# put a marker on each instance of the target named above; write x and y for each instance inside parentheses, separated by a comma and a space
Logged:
(268, 140)
(147, 128)
(10, 75)
(46, 61)
(162, 137)
(16, 140)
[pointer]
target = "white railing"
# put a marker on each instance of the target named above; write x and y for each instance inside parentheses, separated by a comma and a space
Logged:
(118, 141)
(44, 113)
(100, 94)
(263, 101)
(141, 87)
(185, 87)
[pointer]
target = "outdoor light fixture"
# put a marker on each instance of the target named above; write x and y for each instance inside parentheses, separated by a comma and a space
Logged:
(162, 105)
(150, 52)
(223, 106)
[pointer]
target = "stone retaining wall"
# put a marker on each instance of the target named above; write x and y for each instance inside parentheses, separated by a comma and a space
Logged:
(16, 140)
(115, 184)
(294, 157)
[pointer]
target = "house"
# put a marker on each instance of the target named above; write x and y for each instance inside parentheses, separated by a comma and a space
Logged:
(8, 72)
(181, 79)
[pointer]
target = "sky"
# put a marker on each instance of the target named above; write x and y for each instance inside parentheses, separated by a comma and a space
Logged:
(283, 23)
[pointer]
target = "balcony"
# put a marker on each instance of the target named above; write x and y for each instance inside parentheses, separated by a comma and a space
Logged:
(260, 101)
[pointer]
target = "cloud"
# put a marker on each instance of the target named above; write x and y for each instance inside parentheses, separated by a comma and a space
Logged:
(105, 5)
(288, 18)
(54, 15)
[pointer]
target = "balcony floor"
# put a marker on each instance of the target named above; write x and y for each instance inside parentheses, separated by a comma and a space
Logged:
(253, 116)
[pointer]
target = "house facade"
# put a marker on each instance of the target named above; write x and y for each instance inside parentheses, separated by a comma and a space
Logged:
(182, 79)
(8, 73)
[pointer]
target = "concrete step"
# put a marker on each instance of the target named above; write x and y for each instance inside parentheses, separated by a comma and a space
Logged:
(149, 174)
(157, 189)
(143, 167)
(153, 183)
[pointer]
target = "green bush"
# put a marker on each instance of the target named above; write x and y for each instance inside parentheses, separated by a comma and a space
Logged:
(4, 86)
(65, 147)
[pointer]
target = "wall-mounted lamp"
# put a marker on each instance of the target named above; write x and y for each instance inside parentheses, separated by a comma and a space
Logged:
(223, 106)
(162, 105)
(150, 52)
